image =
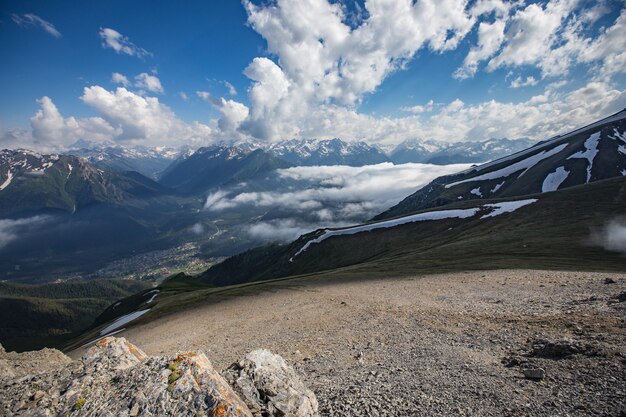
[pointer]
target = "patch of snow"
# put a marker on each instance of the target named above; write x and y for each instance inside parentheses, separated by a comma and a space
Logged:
(497, 187)
(590, 152)
(620, 137)
(156, 292)
(524, 164)
(507, 207)
(624, 172)
(476, 191)
(554, 180)
(6, 182)
(432, 215)
(121, 321)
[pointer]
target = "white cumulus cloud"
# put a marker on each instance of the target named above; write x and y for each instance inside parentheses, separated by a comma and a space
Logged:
(50, 130)
(117, 78)
(143, 120)
(520, 82)
(149, 82)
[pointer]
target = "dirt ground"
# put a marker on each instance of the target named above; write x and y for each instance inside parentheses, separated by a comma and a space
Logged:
(451, 344)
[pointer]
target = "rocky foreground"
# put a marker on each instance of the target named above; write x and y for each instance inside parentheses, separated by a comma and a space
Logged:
(115, 378)
(494, 343)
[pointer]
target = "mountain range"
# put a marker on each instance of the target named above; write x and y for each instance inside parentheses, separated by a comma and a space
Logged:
(433, 152)
(157, 163)
(535, 207)
(589, 154)
(214, 166)
(543, 207)
(151, 162)
(97, 212)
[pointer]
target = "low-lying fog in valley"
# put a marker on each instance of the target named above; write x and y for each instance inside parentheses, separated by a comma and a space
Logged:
(312, 197)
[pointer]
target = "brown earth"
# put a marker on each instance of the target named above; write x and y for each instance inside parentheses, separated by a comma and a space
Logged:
(450, 344)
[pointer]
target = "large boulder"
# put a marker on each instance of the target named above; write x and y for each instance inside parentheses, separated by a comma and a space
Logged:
(270, 387)
(113, 354)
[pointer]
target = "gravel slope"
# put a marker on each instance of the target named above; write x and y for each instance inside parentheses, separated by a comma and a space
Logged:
(452, 344)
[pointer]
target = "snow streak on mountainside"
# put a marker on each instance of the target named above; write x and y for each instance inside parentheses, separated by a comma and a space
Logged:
(523, 165)
(590, 152)
(496, 209)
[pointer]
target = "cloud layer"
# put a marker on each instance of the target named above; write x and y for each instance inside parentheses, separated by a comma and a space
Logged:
(13, 229)
(327, 196)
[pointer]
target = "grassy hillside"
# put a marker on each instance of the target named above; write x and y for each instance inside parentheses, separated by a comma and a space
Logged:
(554, 233)
(35, 316)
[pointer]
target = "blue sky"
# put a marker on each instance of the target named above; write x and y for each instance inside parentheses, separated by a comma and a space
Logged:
(201, 71)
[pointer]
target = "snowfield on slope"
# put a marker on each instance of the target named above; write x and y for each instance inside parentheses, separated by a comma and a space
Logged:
(121, 321)
(590, 152)
(554, 180)
(497, 209)
(524, 164)
(507, 207)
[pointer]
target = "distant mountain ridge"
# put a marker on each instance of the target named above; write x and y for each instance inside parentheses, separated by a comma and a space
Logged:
(213, 166)
(433, 152)
(147, 161)
(158, 162)
(30, 182)
(309, 152)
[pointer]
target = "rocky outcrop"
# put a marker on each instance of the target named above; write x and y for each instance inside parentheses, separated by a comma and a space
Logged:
(270, 387)
(116, 378)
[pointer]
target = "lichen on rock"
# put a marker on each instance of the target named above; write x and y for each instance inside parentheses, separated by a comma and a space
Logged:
(116, 378)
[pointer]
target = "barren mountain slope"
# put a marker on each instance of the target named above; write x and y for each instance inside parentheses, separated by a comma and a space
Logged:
(453, 344)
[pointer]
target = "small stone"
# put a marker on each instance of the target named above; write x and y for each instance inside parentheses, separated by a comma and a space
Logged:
(609, 281)
(534, 373)
(134, 410)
